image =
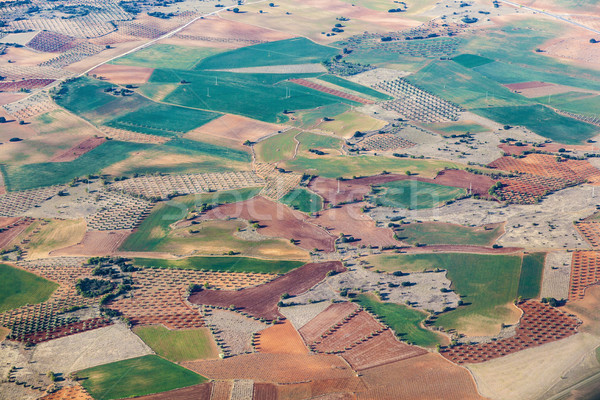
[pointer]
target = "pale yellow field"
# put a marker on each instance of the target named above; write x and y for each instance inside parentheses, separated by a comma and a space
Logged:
(55, 235)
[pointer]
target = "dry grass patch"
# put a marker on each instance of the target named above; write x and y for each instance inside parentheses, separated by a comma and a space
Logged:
(57, 234)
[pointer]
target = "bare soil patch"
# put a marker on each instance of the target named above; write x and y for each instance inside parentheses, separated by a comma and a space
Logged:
(281, 339)
(261, 301)
(123, 74)
(426, 377)
(79, 149)
(277, 368)
(69, 393)
(196, 392)
(234, 128)
(276, 220)
(6, 98)
(96, 243)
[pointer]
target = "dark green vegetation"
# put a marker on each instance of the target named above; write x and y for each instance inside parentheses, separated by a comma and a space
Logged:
(88, 98)
(229, 264)
(136, 377)
(355, 87)
(291, 51)
(539, 118)
(49, 173)
(94, 287)
(416, 195)
(18, 288)
(178, 345)
(439, 233)
(471, 60)
(404, 321)
(531, 275)
(260, 96)
(303, 200)
(155, 228)
(486, 283)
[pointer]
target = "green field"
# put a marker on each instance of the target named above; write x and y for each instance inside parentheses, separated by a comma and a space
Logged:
(416, 195)
(136, 377)
(576, 102)
(18, 288)
(49, 173)
(178, 345)
(229, 264)
(440, 233)
(167, 56)
(531, 275)
(404, 321)
(284, 52)
(471, 60)
(355, 87)
(314, 141)
(195, 148)
(309, 118)
(162, 120)
(486, 283)
(277, 148)
(543, 121)
(155, 228)
(259, 96)
(340, 166)
(303, 200)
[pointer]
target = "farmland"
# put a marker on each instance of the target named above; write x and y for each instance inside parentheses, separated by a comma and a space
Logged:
(432, 234)
(303, 200)
(136, 377)
(178, 345)
(231, 264)
(416, 195)
(20, 287)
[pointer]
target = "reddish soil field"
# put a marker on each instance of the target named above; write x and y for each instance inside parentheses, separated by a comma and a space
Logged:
(350, 220)
(325, 89)
(274, 368)
(196, 392)
(6, 98)
(539, 324)
(528, 189)
(425, 377)
(460, 248)
(69, 393)
(527, 85)
(10, 228)
(78, 150)
(590, 231)
(325, 389)
(96, 243)
(585, 272)
(354, 334)
(29, 84)
(67, 330)
(276, 220)
(479, 184)
(281, 339)
(51, 42)
(123, 74)
(234, 128)
(261, 301)
(327, 318)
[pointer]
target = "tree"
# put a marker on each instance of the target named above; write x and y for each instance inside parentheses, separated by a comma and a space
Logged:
(271, 4)
(236, 10)
(2, 120)
(592, 40)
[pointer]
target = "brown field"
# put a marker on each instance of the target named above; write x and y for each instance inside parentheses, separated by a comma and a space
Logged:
(590, 230)
(329, 317)
(585, 272)
(10, 228)
(425, 377)
(479, 184)
(27, 84)
(78, 150)
(461, 248)
(116, 49)
(350, 220)
(527, 85)
(123, 74)
(586, 310)
(539, 324)
(233, 129)
(276, 220)
(276, 368)
(261, 301)
(573, 45)
(196, 392)
(95, 243)
(6, 98)
(324, 389)
(281, 339)
(22, 56)
(69, 393)
(328, 90)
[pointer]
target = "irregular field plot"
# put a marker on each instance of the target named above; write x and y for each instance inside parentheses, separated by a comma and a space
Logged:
(231, 264)
(18, 287)
(178, 345)
(416, 195)
(167, 56)
(531, 275)
(136, 377)
(441, 233)
(303, 200)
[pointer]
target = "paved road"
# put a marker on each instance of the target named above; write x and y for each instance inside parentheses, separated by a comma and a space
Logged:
(560, 17)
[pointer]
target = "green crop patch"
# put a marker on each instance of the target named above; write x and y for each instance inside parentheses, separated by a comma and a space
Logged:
(303, 200)
(284, 52)
(179, 345)
(531, 275)
(136, 377)
(18, 288)
(432, 233)
(355, 87)
(193, 147)
(32, 176)
(404, 321)
(167, 56)
(416, 195)
(229, 264)
(471, 60)
(543, 121)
